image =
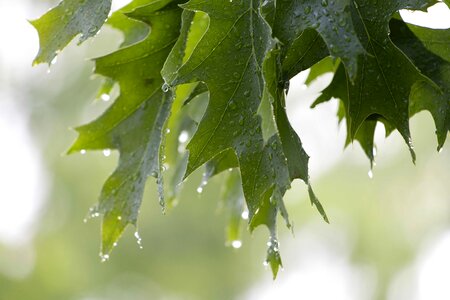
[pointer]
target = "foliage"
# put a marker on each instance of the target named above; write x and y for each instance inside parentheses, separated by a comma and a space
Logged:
(217, 72)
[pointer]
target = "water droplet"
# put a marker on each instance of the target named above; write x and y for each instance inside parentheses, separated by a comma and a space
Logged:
(199, 190)
(236, 244)
(138, 239)
(83, 151)
(105, 97)
(167, 131)
(165, 87)
(107, 152)
(370, 174)
(119, 218)
(244, 215)
(54, 61)
(183, 137)
(104, 257)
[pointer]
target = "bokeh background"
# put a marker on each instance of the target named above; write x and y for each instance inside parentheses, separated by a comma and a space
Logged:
(389, 236)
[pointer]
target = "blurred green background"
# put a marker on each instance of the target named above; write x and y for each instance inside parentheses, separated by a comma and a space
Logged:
(389, 236)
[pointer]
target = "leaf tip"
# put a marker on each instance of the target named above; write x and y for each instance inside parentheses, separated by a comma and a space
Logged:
(112, 229)
(315, 201)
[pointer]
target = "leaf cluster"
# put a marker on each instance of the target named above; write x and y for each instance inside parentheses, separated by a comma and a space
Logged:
(204, 83)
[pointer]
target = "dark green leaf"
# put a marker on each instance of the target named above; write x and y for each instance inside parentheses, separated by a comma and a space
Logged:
(331, 19)
(429, 49)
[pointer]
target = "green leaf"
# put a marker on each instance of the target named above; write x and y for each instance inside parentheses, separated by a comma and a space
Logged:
(326, 65)
(233, 200)
(385, 74)
(430, 52)
(237, 32)
(306, 51)
(134, 123)
(61, 24)
(339, 89)
(133, 30)
(205, 82)
(332, 20)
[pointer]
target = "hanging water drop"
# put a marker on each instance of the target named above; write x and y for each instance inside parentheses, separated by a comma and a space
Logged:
(236, 244)
(93, 30)
(105, 97)
(107, 152)
(138, 239)
(104, 257)
(370, 174)
(83, 151)
(244, 215)
(183, 137)
(199, 190)
(54, 60)
(165, 87)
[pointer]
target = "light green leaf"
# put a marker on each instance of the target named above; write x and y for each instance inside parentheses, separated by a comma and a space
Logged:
(61, 24)
(134, 123)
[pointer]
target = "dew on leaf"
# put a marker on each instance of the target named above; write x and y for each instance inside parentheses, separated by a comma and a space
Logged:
(104, 257)
(138, 239)
(183, 137)
(165, 87)
(107, 152)
(236, 244)
(105, 97)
